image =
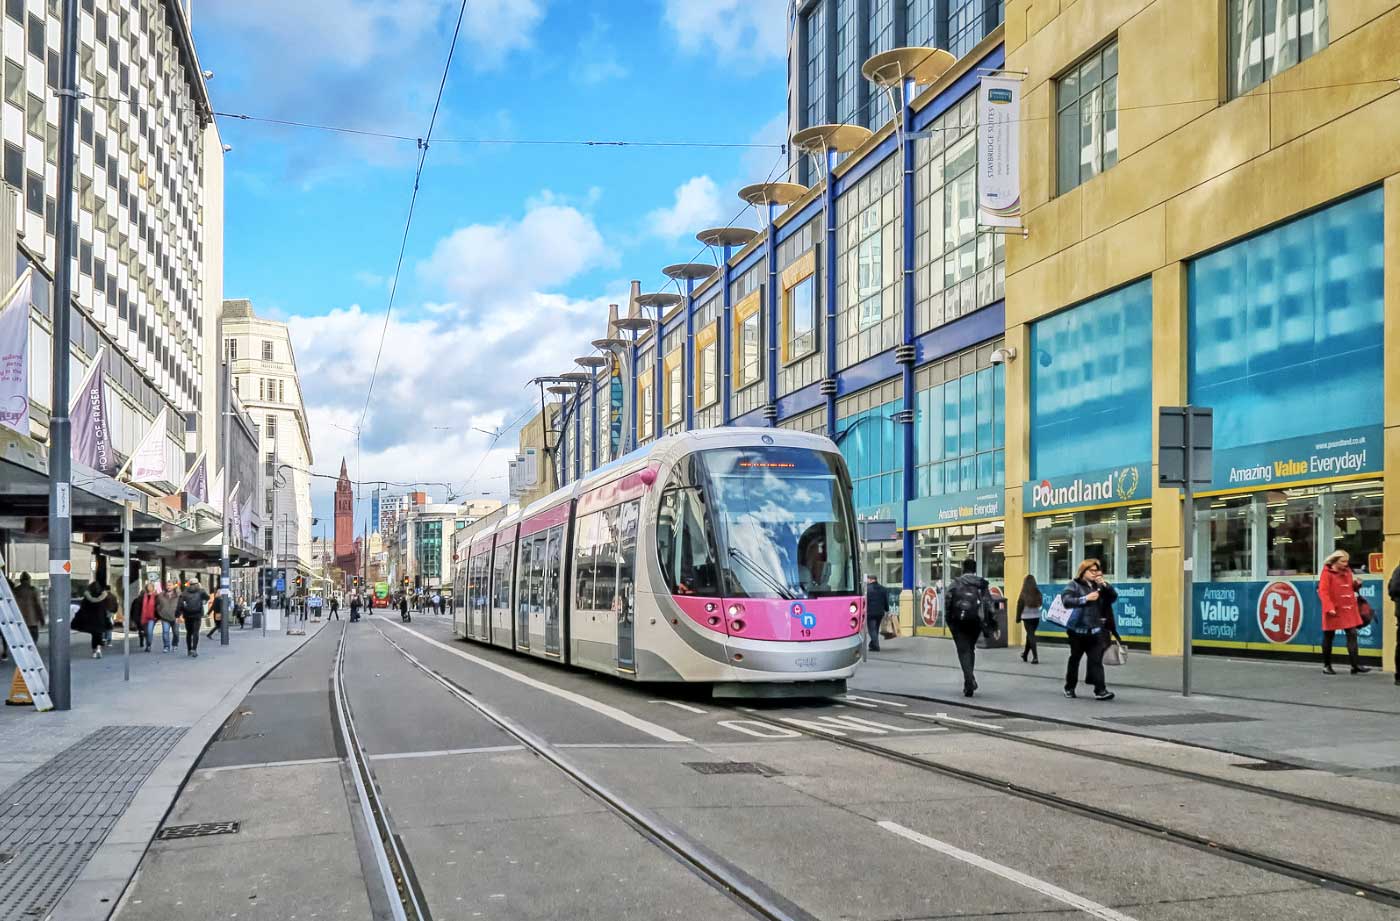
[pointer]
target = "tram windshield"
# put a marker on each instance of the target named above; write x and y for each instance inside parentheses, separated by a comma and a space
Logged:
(783, 521)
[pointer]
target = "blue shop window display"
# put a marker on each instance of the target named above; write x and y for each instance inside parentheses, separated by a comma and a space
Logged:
(1287, 332)
(1091, 385)
(870, 442)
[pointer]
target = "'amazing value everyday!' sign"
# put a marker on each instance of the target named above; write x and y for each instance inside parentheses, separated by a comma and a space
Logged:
(1316, 457)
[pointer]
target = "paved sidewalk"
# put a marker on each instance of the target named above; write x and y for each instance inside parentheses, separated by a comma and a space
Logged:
(85, 790)
(1278, 711)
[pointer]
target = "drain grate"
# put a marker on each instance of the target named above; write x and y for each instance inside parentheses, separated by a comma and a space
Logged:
(731, 767)
(1179, 719)
(201, 830)
(1272, 766)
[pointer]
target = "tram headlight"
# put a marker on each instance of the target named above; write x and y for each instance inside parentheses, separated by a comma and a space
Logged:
(736, 625)
(855, 607)
(853, 623)
(735, 610)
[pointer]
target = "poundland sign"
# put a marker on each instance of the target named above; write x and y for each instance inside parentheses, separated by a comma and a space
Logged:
(1103, 487)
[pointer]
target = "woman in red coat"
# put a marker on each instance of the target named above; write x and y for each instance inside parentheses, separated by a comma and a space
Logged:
(1337, 590)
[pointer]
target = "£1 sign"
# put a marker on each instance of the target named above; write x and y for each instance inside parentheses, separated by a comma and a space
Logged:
(1280, 612)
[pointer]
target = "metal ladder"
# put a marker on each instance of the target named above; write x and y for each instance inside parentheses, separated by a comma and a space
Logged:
(22, 647)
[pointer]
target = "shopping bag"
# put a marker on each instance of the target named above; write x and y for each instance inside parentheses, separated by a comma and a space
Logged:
(1058, 613)
(1115, 654)
(889, 626)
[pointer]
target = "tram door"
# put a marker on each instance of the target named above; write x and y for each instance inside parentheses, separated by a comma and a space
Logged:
(626, 606)
(524, 596)
(553, 597)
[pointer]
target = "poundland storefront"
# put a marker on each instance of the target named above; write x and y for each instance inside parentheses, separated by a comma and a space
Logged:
(1090, 489)
(1286, 332)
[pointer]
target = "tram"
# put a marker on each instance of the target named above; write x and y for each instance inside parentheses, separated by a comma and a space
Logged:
(722, 556)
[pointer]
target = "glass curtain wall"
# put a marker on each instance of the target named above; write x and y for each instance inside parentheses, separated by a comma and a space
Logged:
(870, 266)
(870, 441)
(960, 424)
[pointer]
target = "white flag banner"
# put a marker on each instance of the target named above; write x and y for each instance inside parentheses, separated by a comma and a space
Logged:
(999, 152)
(14, 354)
(151, 462)
(197, 482)
(216, 494)
(231, 516)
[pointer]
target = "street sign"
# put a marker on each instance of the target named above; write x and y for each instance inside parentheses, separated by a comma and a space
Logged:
(1185, 442)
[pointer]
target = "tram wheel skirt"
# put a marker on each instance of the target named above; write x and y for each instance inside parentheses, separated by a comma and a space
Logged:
(771, 690)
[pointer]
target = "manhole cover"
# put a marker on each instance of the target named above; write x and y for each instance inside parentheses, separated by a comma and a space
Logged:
(1178, 719)
(731, 767)
(202, 830)
(1272, 766)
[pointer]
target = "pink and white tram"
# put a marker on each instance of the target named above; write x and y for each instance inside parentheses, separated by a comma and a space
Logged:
(724, 556)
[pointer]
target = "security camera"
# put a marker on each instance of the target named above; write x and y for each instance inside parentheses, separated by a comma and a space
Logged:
(209, 75)
(1001, 356)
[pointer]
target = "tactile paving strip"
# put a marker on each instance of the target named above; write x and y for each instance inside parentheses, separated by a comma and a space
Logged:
(54, 818)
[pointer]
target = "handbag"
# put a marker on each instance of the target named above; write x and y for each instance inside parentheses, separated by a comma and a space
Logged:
(1115, 654)
(889, 626)
(1058, 613)
(1363, 607)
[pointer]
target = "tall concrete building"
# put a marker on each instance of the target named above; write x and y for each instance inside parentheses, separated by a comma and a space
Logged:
(149, 240)
(829, 40)
(265, 378)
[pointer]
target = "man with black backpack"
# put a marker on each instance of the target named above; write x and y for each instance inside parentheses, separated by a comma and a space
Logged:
(193, 600)
(967, 603)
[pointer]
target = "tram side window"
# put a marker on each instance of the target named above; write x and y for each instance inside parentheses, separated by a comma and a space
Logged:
(606, 561)
(501, 583)
(537, 566)
(628, 516)
(522, 571)
(585, 542)
(553, 545)
(682, 541)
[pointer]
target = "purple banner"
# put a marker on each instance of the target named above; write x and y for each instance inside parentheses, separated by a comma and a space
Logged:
(92, 434)
(197, 483)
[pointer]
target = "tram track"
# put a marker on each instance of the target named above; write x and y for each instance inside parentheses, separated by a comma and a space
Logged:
(748, 893)
(405, 897)
(1287, 796)
(1328, 879)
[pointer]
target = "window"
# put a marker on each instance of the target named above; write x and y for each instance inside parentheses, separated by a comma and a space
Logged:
(270, 429)
(683, 539)
(502, 577)
(1267, 38)
(848, 77)
(880, 37)
(814, 23)
(266, 350)
(15, 10)
(267, 539)
(800, 319)
(269, 499)
(868, 279)
(14, 166)
(231, 350)
(270, 465)
(869, 440)
(281, 391)
(960, 424)
(675, 388)
(969, 21)
(1087, 98)
(748, 340)
(646, 405)
(35, 122)
(707, 366)
(34, 193)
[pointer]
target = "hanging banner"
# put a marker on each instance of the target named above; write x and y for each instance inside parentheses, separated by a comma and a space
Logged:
(14, 354)
(245, 521)
(999, 152)
(216, 493)
(231, 516)
(92, 434)
(197, 483)
(150, 463)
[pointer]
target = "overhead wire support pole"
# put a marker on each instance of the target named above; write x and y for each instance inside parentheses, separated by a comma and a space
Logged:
(224, 590)
(60, 425)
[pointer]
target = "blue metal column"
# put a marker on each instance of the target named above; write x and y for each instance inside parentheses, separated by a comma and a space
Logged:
(657, 371)
(725, 334)
(636, 394)
(830, 269)
(773, 306)
(688, 359)
(593, 440)
(578, 433)
(906, 118)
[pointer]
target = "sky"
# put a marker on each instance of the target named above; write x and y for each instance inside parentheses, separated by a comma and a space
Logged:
(515, 249)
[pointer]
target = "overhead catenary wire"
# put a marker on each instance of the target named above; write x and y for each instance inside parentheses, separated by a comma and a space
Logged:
(424, 145)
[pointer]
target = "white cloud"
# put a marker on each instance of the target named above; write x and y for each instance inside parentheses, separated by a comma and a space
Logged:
(495, 28)
(454, 364)
(483, 264)
(750, 32)
(598, 60)
(697, 206)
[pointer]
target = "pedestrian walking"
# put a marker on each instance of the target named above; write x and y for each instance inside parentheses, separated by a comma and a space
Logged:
(1091, 599)
(403, 612)
(1336, 588)
(167, 612)
(968, 604)
(354, 608)
(94, 615)
(30, 608)
(215, 610)
(877, 605)
(142, 615)
(240, 611)
(335, 608)
(1393, 590)
(1028, 605)
(193, 600)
